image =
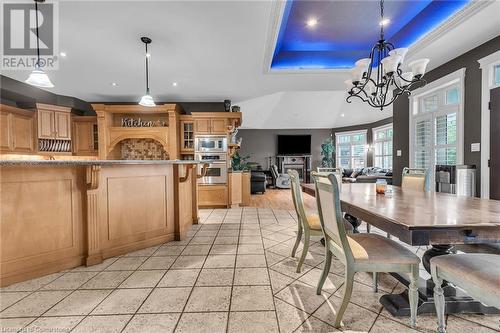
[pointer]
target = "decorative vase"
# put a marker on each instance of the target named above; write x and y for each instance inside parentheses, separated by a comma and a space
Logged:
(227, 105)
(235, 108)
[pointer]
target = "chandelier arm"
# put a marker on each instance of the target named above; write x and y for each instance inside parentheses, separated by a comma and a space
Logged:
(390, 46)
(348, 99)
(370, 66)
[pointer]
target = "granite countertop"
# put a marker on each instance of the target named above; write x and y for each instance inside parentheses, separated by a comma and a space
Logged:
(93, 162)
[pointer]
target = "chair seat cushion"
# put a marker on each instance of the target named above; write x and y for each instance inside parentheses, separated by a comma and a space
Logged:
(376, 249)
(313, 221)
(478, 269)
(315, 224)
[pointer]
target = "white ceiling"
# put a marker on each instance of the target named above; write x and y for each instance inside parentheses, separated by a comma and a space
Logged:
(216, 50)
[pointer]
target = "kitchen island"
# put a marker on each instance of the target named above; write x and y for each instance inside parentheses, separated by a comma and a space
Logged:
(59, 214)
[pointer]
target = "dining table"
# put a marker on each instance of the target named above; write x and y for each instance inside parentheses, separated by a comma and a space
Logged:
(418, 218)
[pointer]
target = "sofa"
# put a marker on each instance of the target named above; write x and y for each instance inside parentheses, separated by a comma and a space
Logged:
(366, 175)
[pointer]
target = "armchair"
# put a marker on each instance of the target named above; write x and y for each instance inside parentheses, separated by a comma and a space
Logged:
(280, 180)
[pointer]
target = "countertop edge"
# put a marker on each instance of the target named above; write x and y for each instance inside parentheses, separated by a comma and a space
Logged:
(7, 163)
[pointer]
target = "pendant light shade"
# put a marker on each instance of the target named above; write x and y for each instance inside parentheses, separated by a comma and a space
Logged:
(38, 77)
(147, 100)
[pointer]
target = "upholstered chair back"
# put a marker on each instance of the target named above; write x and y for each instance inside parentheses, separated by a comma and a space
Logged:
(417, 179)
(328, 200)
(274, 171)
(298, 202)
(336, 171)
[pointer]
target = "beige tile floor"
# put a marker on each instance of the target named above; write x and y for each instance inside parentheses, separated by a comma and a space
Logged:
(234, 273)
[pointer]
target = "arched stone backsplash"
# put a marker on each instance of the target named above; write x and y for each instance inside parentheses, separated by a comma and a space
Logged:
(142, 149)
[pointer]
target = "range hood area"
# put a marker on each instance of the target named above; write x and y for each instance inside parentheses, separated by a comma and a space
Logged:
(137, 132)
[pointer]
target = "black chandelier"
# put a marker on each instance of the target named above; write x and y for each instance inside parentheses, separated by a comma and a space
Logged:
(379, 79)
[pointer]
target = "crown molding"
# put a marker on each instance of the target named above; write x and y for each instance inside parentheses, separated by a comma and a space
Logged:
(452, 22)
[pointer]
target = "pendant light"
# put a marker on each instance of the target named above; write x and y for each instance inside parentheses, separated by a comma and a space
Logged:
(37, 77)
(147, 100)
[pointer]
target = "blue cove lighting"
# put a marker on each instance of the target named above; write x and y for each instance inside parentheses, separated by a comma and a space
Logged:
(347, 30)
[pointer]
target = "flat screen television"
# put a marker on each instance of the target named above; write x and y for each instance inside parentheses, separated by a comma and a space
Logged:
(294, 144)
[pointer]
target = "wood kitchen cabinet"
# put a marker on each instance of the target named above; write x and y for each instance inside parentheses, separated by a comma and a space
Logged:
(212, 196)
(63, 125)
(202, 126)
(85, 135)
(54, 122)
(17, 130)
(215, 123)
(218, 126)
(211, 126)
(187, 136)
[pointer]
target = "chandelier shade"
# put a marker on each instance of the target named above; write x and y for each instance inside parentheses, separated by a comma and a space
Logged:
(379, 80)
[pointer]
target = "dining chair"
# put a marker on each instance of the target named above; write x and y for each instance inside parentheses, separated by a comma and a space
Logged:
(476, 273)
(359, 252)
(415, 178)
(308, 223)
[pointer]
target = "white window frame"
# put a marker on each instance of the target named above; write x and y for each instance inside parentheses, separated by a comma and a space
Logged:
(350, 133)
(375, 141)
(453, 79)
(487, 66)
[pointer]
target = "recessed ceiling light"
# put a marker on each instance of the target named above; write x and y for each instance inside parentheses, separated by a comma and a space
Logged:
(312, 22)
(384, 22)
(63, 54)
(174, 84)
(342, 115)
(148, 55)
(114, 84)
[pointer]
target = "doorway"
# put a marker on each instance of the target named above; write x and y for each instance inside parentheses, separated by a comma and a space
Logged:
(494, 163)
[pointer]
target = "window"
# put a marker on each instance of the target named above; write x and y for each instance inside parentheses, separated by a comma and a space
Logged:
(435, 117)
(351, 149)
(496, 75)
(382, 142)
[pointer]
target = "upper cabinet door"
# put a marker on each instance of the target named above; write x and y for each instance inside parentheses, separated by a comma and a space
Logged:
(63, 125)
(22, 133)
(46, 125)
(202, 126)
(219, 126)
(5, 132)
(83, 137)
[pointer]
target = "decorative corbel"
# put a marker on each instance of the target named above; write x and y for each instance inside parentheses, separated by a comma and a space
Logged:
(93, 176)
(187, 171)
(203, 171)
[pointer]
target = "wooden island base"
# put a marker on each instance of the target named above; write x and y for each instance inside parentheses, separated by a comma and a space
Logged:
(57, 215)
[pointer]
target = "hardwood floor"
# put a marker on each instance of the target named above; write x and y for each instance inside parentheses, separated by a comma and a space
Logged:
(279, 199)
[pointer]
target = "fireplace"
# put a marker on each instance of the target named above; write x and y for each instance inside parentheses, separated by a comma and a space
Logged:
(302, 164)
(298, 168)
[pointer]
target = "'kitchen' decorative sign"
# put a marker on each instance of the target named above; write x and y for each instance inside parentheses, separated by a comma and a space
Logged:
(131, 122)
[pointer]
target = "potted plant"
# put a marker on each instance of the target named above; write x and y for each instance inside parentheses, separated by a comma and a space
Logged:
(239, 163)
(327, 151)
